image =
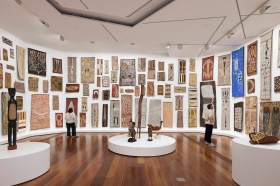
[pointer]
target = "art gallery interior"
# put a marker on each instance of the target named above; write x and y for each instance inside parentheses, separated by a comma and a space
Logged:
(164, 60)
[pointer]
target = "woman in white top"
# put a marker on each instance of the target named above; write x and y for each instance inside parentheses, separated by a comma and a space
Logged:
(209, 122)
(70, 118)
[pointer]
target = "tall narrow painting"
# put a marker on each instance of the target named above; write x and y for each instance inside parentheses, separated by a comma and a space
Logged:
(57, 66)
(170, 72)
(37, 62)
(126, 110)
(192, 117)
(1, 75)
(115, 63)
(192, 65)
(4, 103)
(72, 103)
(115, 118)
(72, 68)
(83, 120)
(99, 66)
(180, 119)
(182, 71)
(143, 114)
(141, 64)
(94, 115)
(155, 112)
(151, 69)
(207, 96)
(252, 57)
(207, 68)
(40, 112)
(58, 120)
(238, 73)
(105, 115)
(127, 72)
(167, 114)
(251, 114)
(20, 52)
(225, 122)
(224, 70)
(238, 116)
(87, 69)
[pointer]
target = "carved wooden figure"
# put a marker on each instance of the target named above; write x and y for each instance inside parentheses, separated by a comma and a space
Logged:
(12, 120)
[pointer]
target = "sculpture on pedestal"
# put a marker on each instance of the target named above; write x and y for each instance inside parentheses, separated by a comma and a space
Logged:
(132, 131)
(150, 132)
(12, 120)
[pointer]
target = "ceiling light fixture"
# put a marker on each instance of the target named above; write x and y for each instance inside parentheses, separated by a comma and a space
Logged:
(167, 46)
(263, 9)
(45, 23)
(92, 42)
(61, 38)
(18, 2)
(132, 43)
(229, 34)
(180, 46)
(206, 47)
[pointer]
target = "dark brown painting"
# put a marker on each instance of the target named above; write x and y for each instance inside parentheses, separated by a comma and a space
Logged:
(37, 62)
(252, 57)
(71, 88)
(83, 120)
(182, 71)
(95, 94)
(207, 68)
(251, 86)
(106, 95)
(238, 116)
(56, 83)
(105, 115)
(277, 84)
(115, 90)
(72, 103)
(57, 66)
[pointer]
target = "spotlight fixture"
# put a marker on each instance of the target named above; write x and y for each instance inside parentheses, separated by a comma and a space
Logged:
(45, 23)
(18, 2)
(229, 34)
(92, 42)
(167, 46)
(263, 9)
(132, 44)
(61, 38)
(180, 46)
(206, 47)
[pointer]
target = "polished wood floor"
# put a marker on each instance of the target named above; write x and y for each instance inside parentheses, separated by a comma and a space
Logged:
(87, 161)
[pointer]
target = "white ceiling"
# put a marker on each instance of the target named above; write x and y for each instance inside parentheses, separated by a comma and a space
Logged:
(192, 23)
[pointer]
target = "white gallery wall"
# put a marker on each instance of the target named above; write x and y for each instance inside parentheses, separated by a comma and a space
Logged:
(107, 56)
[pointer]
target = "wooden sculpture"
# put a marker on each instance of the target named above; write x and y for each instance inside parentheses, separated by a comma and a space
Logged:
(154, 128)
(150, 133)
(12, 120)
(261, 138)
(140, 110)
(132, 133)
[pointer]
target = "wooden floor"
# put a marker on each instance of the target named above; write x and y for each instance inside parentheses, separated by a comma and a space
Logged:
(87, 161)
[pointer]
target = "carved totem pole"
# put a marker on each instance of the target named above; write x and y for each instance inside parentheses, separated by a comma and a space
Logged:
(12, 119)
(140, 110)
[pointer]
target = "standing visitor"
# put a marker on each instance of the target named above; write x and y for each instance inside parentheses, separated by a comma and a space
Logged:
(209, 123)
(70, 118)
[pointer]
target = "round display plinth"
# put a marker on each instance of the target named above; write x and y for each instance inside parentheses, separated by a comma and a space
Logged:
(142, 147)
(255, 164)
(28, 161)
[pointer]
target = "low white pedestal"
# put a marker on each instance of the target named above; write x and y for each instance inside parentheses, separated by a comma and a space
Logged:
(28, 161)
(142, 147)
(255, 165)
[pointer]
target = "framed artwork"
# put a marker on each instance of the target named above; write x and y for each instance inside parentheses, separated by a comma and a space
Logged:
(192, 94)
(192, 117)
(167, 114)
(180, 119)
(238, 116)
(20, 62)
(85, 89)
(84, 104)
(143, 112)
(179, 89)
(251, 86)
(126, 110)
(45, 86)
(155, 112)
(1, 75)
(137, 91)
(10, 67)
(225, 122)
(159, 90)
(151, 69)
(224, 70)
(238, 72)
(72, 103)
(141, 64)
(129, 90)
(192, 79)
(115, 63)
(160, 66)
(182, 71)
(57, 66)
(98, 81)
(170, 72)
(114, 76)
(58, 120)
(83, 120)
(277, 84)
(252, 57)
(87, 69)
(19, 102)
(141, 79)
(33, 84)
(95, 94)
(207, 96)
(161, 76)
(167, 91)
(40, 112)
(99, 66)
(8, 80)
(192, 65)
(37, 62)
(115, 91)
(127, 72)
(56, 83)
(5, 55)
(21, 121)
(278, 60)
(115, 118)
(7, 41)
(94, 115)
(12, 53)
(150, 88)
(72, 69)
(4, 105)
(105, 81)
(106, 70)
(266, 57)
(106, 95)
(72, 88)
(20, 87)
(55, 102)
(105, 115)
(207, 68)
(251, 114)
(179, 102)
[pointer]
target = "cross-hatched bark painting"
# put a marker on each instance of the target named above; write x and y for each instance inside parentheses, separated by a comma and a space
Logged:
(141, 79)
(192, 79)
(252, 58)
(58, 120)
(126, 112)
(85, 89)
(19, 86)
(105, 81)
(168, 114)
(238, 72)
(278, 60)
(1, 75)
(94, 115)
(72, 88)
(8, 80)
(179, 102)
(114, 76)
(4, 101)
(238, 116)
(95, 94)
(192, 97)
(179, 89)
(170, 72)
(5, 54)
(225, 122)
(141, 64)
(55, 102)
(105, 115)
(155, 112)
(56, 83)
(127, 72)
(277, 84)
(99, 66)
(98, 81)
(37, 62)
(20, 62)
(33, 84)
(21, 121)
(251, 114)
(72, 69)
(270, 118)
(251, 86)
(192, 117)
(151, 69)
(144, 112)
(207, 68)
(192, 65)
(84, 104)
(182, 71)
(161, 76)
(115, 90)
(137, 91)
(19, 102)
(106, 70)
(150, 89)
(224, 70)
(83, 120)
(167, 91)
(40, 112)
(106, 95)
(160, 90)
(57, 66)
(180, 119)
(87, 69)
(115, 119)
(45, 86)
(72, 103)
(161, 66)
(207, 96)
(115, 63)
(266, 57)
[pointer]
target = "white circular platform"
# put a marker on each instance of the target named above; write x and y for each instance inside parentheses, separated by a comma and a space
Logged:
(28, 161)
(142, 147)
(256, 165)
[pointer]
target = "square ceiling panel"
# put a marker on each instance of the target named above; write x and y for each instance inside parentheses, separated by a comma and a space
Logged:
(123, 12)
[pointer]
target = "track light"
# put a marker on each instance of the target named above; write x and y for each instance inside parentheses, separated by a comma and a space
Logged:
(167, 46)
(18, 2)
(263, 9)
(45, 23)
(229, 34)
(61, 38)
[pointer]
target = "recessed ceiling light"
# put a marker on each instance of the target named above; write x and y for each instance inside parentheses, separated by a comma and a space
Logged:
(92, 42)
(61, 38)
(132, 43)
(167, 46)
(18, 2)
(263, 9)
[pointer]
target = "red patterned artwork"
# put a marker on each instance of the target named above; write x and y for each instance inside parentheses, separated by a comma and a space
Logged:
(83, 119)
(207, 68)
(252, 58)
(72, 103)
(59, 120)
(40, 112)
(126, 113)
